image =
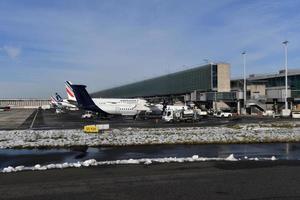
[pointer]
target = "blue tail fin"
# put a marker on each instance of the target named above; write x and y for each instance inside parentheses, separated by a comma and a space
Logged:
(84, 100)
(58, 97)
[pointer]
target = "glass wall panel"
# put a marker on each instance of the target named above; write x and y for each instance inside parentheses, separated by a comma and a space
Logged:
(176, 83)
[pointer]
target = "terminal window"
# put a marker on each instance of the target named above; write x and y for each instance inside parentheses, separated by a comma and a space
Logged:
(214, 76)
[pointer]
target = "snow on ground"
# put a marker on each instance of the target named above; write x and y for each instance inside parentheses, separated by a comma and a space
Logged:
(146, 136)
(146, 161)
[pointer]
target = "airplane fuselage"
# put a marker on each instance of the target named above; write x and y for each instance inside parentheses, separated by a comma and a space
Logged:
(126, 107)
(64, 104)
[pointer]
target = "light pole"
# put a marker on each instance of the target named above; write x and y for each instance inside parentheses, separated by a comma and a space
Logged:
(245, 86)
(206, 60)
(286, 83)
(286, 73)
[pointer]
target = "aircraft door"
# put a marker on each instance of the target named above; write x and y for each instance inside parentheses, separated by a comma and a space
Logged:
(117, 110)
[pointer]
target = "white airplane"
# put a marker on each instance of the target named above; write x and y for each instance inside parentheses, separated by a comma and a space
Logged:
(60, 103)
(111, 106)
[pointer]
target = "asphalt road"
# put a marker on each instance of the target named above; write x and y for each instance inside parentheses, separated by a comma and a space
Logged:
(201, 180)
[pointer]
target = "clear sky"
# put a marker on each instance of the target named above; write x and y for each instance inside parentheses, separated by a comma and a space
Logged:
(108, 43)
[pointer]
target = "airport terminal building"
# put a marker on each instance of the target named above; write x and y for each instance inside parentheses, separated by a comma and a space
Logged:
(202, 83)
(267, 91)
(210, 85)
(24, 103)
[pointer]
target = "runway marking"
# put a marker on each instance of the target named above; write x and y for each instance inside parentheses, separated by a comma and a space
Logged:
(34, 119)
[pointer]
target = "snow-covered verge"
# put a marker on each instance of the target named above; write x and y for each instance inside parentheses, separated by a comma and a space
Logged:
(148, 136)
(146, 161)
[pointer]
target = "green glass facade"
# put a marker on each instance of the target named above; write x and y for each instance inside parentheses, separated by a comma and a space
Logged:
(293, 82)
(295, 86)
(275, 81)
(199, 78)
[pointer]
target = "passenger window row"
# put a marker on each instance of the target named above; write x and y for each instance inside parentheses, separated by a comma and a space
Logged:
(125, 108)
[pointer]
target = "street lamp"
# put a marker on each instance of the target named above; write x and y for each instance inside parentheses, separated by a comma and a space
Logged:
(286, 73)
(245, 86)
(206, 60)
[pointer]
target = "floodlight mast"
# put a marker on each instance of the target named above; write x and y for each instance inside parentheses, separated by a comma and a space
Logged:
(286, 73)
(245, 81)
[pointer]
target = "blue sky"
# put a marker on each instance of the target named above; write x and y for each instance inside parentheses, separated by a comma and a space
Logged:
(108, 43)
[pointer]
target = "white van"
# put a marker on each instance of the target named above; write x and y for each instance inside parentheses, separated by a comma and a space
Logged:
(296, 114)
(223, 114)
(87, 115)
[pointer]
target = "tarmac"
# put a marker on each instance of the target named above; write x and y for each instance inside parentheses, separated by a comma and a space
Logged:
(14, 118)
(199, 180)
(47, 119)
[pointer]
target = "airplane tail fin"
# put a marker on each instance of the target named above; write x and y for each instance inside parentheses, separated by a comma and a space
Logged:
(84, 100)
(70, 92)
(58, 97)
(53, 100)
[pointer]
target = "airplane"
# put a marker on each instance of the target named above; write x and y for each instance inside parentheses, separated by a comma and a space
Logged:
(105, 106)
(4, 108)
(60, 103)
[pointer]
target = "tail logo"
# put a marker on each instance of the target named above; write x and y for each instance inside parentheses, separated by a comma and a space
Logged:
(69, 91)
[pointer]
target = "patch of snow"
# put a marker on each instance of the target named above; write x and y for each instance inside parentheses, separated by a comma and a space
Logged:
(19, 168)
(231, 158)
(146, 161)
(273, 158)
(77, 164)
(65, 165)
(58, 166)
(8, 169)
(139, 136)
(51, 166)
(132, 161)
(39, 167)
(90, 162)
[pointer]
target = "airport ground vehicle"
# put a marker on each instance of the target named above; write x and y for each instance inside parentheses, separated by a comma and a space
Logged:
(277, 115)
(174, 114)
(202, 113)
(96, 128)
(268, 113)
(45, 107)
(296, 114)
(223, 114)
(285, 113)
(87, 115)
(59, 111)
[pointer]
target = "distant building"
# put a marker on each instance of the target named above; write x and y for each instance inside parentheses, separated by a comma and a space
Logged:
(24, 103)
